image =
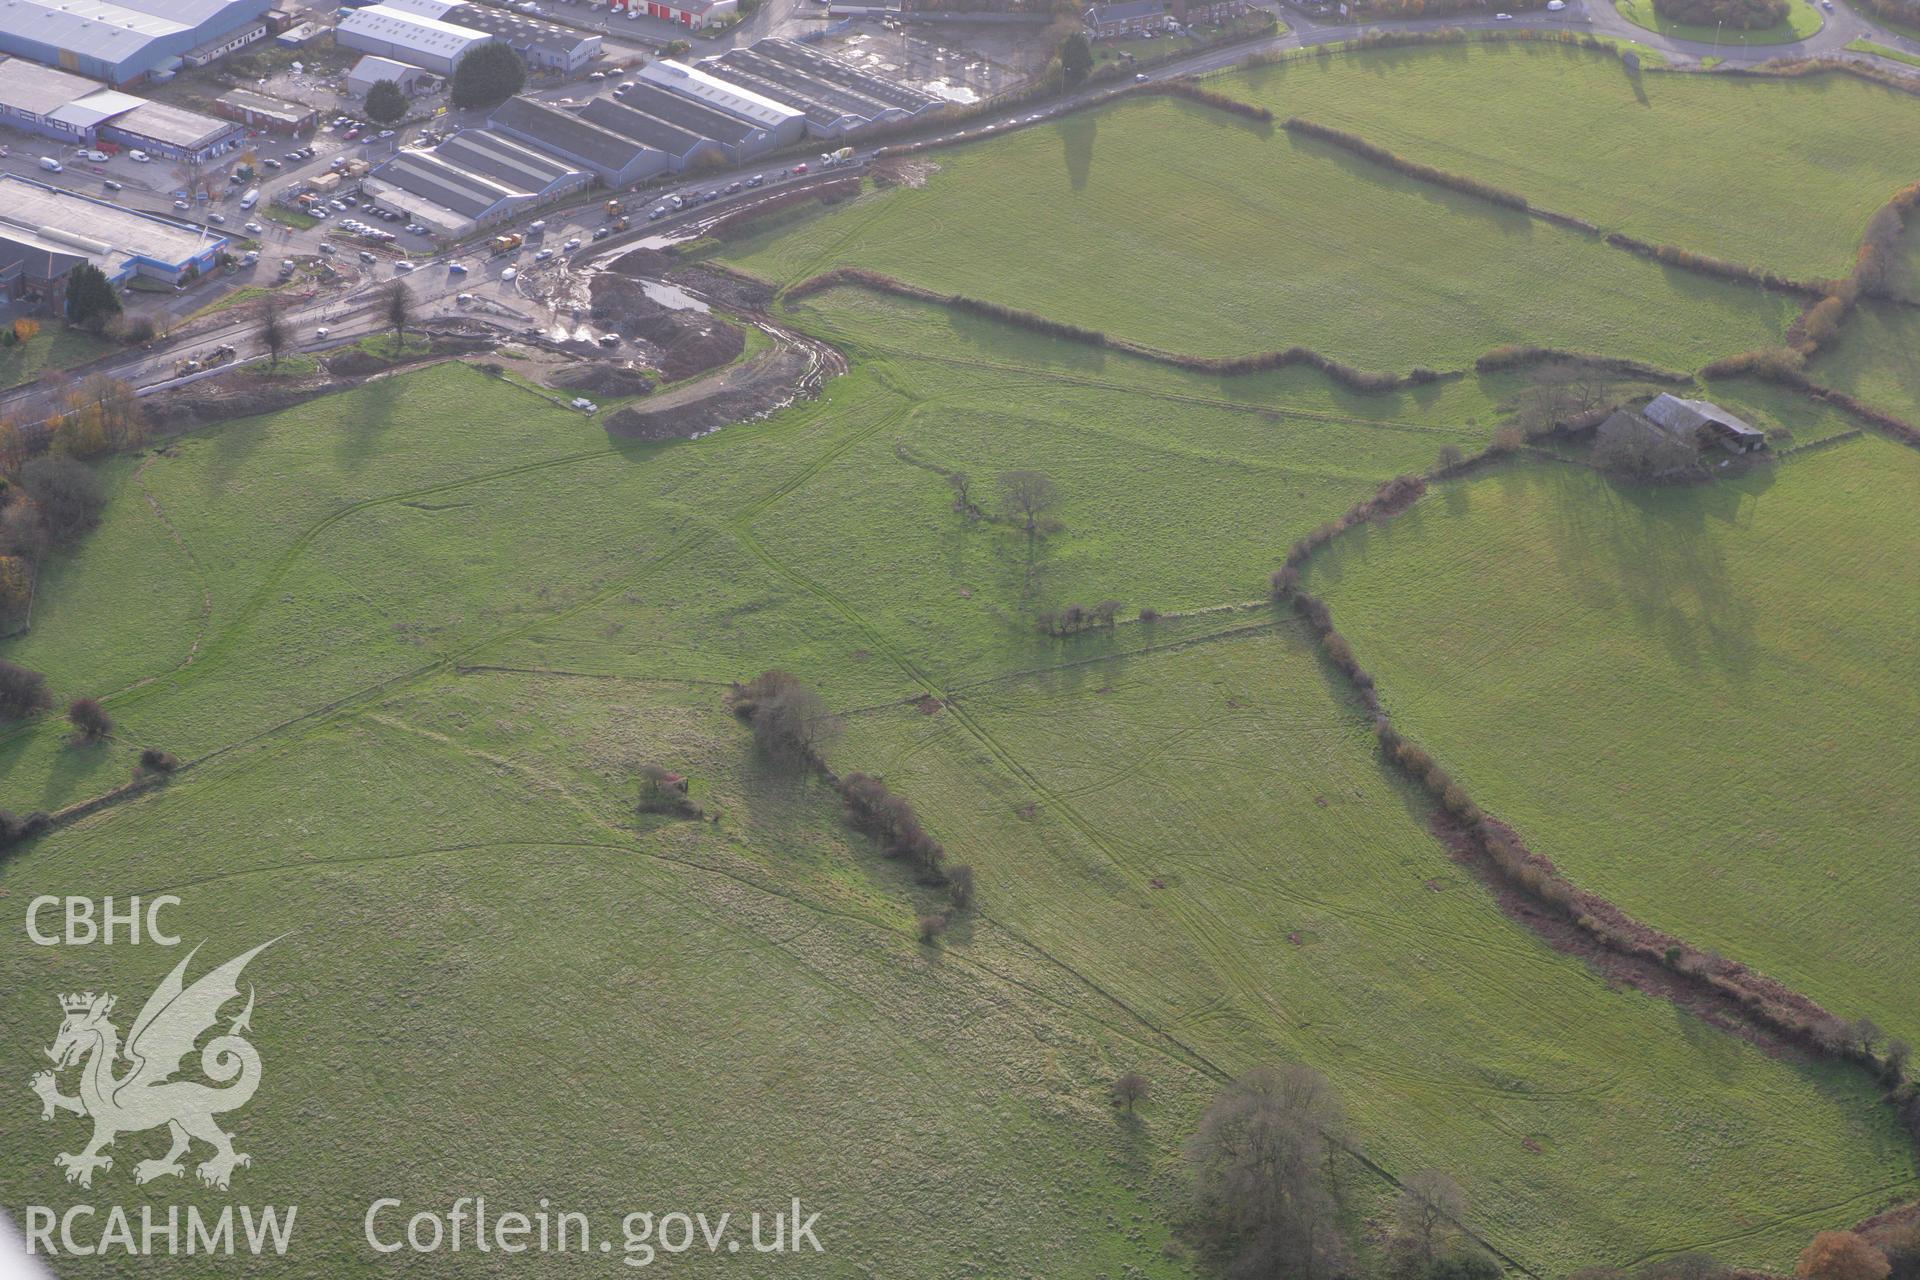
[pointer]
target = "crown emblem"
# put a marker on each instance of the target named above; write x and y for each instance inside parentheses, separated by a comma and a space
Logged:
(78, 1003)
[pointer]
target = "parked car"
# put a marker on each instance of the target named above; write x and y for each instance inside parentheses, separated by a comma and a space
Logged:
(254, 228)
(217, 219)
(463, 299)
(509, 275)
(327, 249)
(457, 268)
(543, 255)
(322, 332)
(181, 204)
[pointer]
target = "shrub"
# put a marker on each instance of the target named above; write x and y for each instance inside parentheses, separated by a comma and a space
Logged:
(664, 791)
(790, 721)
(1149, 614)
(932, 928)
(89, 719)
(17, 827)
(1128, 1089)
(154, 760)
(68, 494)
(960, 886)
(132, 330)
(23, 692)
(1841, 1255)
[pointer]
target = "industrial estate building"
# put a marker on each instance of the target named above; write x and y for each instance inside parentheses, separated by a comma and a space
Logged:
(547, 46)
(836, 97)
(79, 112)
(373, 68)
(258, 111)
(45, 232)
(472, 179)
(124, 41)
(392, 31)
(670, 118)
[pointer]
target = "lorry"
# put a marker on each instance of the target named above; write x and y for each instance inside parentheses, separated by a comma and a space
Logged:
(832, 158)
(508, 243)
(615, 208)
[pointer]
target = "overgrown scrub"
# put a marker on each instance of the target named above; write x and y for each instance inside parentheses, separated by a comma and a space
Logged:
(1208, 98)
(1735, 15)
(1412, 168)
(17, 828)
(1687, 259)
(1072, 618)
(23, 692)
(889, 819)
(790, 721)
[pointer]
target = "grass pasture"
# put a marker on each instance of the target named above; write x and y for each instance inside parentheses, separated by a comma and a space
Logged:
(1754, 651)
(414, 640)
(1836, 150)
(1240, 239)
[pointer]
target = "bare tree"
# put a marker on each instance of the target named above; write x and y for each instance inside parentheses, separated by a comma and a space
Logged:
(273, 330)
(1259, 1161)
(1430, 1204)
(1129, 1089)
(1027, 498)
(399, 310)
(962, 485)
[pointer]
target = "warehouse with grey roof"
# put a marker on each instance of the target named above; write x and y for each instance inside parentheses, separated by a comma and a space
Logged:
(122, 41)
(836, 97)
(474, 178)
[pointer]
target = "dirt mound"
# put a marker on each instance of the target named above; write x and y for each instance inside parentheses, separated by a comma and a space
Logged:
(745, 391)
(353, 363)
(602, 379)
(726, 289)
(204, 404)
(650, 263)
(700, 342)
(621, 303)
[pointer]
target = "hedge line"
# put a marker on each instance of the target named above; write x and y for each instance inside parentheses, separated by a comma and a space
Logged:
(1344, 374)
(1516, 356)
(1412, 168)
(1761, 1000)
(1207, 97)
(1674, 256)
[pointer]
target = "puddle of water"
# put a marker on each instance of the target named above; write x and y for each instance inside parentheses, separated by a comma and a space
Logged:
(950, 92)
(668, 295)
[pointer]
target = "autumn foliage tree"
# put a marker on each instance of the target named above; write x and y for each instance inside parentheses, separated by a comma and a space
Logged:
(1841, 1255)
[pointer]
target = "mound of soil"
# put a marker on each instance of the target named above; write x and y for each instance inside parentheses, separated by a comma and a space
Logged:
(621, 304)
(208, 402)
(651, 263)
(726, 289)
(354, 363)
(700, 342)
(742, 392)
(601, 379)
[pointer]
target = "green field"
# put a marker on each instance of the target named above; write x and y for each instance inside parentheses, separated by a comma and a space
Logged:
(1226, 244)
(414, 640)
(54, 347)
(1802, 20)
(1572, 131)
(1693, 703)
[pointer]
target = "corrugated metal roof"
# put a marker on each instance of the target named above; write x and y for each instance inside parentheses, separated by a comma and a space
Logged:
(37, 90)
(95, 109)
(409, 31)
(715, 92)
(91, 28)
(1678, 414)
(373, 68)
(686, 113)
(567, 133)
(164, 122)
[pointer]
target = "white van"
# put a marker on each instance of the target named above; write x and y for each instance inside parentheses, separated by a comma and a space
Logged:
(138, 157)
(50, 164)
(250, 199)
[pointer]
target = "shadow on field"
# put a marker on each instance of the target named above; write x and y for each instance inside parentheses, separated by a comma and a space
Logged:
(1076, 136)
(364, 440)
(1512, 222)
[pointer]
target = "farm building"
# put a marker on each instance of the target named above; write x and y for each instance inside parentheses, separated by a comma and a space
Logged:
(392, 32)
(1702, 422)
(124, 41)
(784, 124)
(738, 139)
(836, 97)
(258, 111)
(46, 231)
(1126, 18)
(614, 158)
(474, 178)
(547, 46)
(688, 13)
(373, 68)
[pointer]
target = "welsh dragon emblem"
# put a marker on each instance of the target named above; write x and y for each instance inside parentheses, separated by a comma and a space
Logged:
(145, 1095)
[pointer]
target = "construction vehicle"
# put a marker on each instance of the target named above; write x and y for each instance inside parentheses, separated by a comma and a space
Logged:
(619, 224)
(214, 358)
(831, 158)
(615, 208)
(508, 243)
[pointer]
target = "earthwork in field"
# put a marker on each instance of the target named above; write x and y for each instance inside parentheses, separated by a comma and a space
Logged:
(413, 642)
